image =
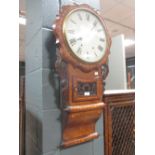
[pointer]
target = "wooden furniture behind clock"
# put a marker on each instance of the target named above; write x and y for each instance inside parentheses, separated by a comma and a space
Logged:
(119, 123)
(83, 47)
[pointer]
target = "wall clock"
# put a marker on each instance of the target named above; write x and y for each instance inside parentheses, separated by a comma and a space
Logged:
(83, 47)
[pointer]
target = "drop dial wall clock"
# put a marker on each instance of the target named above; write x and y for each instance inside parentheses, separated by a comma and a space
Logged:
(85, 35)
(83, 47)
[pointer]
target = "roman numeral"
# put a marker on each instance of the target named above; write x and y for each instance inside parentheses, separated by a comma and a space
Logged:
(73, 21)
(72, 41)
(95, 54)
(71, 31)
(79, 50)
(87, 17)
(80, 38)
(101, 39)
(100, 48)
(95, 23)
(79, 15)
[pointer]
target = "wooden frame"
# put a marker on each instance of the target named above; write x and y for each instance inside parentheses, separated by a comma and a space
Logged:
(64, 50)
(114, 100)
(79, 112)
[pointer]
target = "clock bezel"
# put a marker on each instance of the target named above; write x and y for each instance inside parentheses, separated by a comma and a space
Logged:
(65, 35)
(64, 49)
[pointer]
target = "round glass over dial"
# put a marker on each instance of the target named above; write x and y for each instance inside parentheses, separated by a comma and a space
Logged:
(85, 35)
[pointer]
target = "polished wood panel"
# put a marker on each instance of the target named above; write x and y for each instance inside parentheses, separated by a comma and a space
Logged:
(119, 123)
(80, 113)
(81, 85)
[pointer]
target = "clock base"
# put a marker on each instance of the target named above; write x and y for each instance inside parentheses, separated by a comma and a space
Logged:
(79, 123)
(77, 141)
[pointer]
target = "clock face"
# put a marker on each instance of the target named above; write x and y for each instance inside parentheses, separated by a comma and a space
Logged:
(85, 35)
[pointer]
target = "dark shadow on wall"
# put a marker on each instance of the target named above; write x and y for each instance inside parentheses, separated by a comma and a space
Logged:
(34, 132)
(54, 79)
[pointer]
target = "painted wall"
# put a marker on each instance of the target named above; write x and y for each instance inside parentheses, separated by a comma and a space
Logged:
(43, 118)
(116, 78)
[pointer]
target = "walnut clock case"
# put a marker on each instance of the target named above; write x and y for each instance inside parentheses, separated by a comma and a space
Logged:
(83, 47)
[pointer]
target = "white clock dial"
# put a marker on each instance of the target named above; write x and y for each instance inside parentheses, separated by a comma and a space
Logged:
(85, 35)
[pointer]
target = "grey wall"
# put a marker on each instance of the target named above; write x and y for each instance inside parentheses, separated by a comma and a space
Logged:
(43, 123)
(116, 78)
